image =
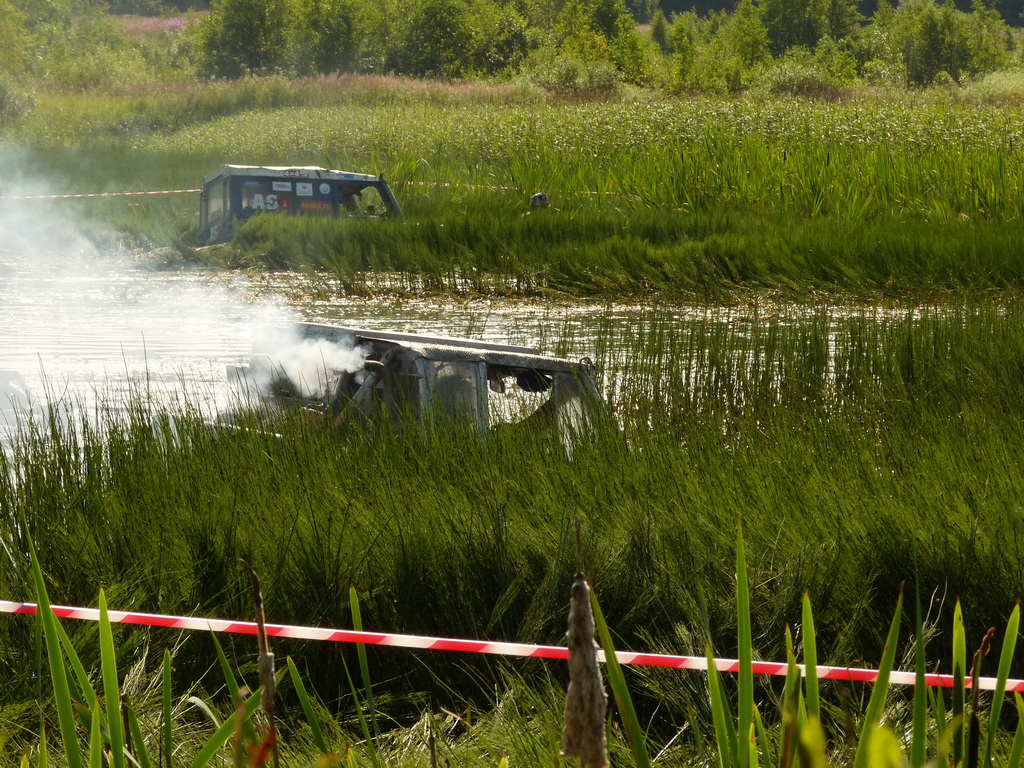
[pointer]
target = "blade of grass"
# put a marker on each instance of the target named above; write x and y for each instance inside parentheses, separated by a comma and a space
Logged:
(307, 707)
(84, 691)
(810, 659)
(943, 734)
(61, 692)
(1017, 749)
(138, 743)
(234, 690)
(790, 710)
(876, 703)
(617, 682)
(745, 705)
(959, 685)
(918, 740)
(885, 748)
(1005, 659)
(96, 737)
(43, 757)
(724, 733)
(111, 688)
(363, 724)
(813, 745)
(223, 733)
(364, 665)
(762, 735)
(168, 742)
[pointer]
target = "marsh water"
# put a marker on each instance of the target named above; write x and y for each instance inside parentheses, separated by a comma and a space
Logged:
(83, 328)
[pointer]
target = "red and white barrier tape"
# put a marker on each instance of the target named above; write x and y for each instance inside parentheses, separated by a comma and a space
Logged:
(481, 646)
(99, 194)
(489, 188)
(443, 184)
(447, 185)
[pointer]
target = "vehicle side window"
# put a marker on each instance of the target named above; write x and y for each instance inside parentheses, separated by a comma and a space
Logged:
(215, 200)
(365, 202)
(458, 389)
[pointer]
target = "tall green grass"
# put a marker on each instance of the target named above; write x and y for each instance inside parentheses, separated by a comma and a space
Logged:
(846, 443)
(749, 735)
(668, 197)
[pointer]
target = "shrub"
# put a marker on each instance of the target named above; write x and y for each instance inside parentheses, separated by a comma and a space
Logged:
(1006, 87)
(15, 103)
(324, 36)
(659, 32)
(240, 37)
(434, 40)
(710, 69)
(818, 74)
(556, 71)
(500, 37)
(12, 38)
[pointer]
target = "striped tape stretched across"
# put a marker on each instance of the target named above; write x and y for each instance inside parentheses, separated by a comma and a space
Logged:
(480, 646)
(99, 194)
(442, 184)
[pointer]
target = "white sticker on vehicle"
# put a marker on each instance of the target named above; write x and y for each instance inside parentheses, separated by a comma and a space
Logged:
(283, 186)
(304, 188)
(325, 188)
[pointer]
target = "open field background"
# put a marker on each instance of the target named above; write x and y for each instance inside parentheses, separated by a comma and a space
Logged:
(690, 198)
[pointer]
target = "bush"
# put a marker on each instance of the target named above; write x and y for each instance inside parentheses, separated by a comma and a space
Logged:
(1005, 87)
(324, 36)
(660, 32)
(242, 37)
(501, 38)
(15, 103)
(801, 73)
(435, 39)
(95, 53)
(709, 69)
(563, 72)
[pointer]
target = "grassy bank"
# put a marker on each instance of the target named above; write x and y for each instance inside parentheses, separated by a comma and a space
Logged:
(691, 198)
(847, 444)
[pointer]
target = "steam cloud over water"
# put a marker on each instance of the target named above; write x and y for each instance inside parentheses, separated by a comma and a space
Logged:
(81, 323)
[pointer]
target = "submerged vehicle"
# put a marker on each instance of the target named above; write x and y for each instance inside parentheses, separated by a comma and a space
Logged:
(342, 374)
(235, 193)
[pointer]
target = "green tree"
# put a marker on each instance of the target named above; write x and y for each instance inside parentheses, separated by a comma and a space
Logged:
(842, 19)
(241, 37)
(931, 39)
(501, 36)
(660, 31)
(435, 40)
(991, 38)
(627, 52)
(324, 36)
(684, 37)
(746, 34)
(794, 22)
(13, 38)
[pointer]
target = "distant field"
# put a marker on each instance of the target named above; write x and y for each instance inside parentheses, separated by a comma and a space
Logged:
(658, 197)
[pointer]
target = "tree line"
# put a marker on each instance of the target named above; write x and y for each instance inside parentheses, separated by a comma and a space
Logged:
(786, 46)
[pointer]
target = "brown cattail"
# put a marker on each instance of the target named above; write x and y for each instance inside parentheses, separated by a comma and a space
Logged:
(585, 701)
(268, 747)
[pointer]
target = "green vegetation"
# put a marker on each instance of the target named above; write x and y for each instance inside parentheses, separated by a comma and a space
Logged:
(648, 198)
(783, 148)
(851, 445)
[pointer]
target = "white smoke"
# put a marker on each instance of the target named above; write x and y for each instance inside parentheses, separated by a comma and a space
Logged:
(86, 322)
(311, 366)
